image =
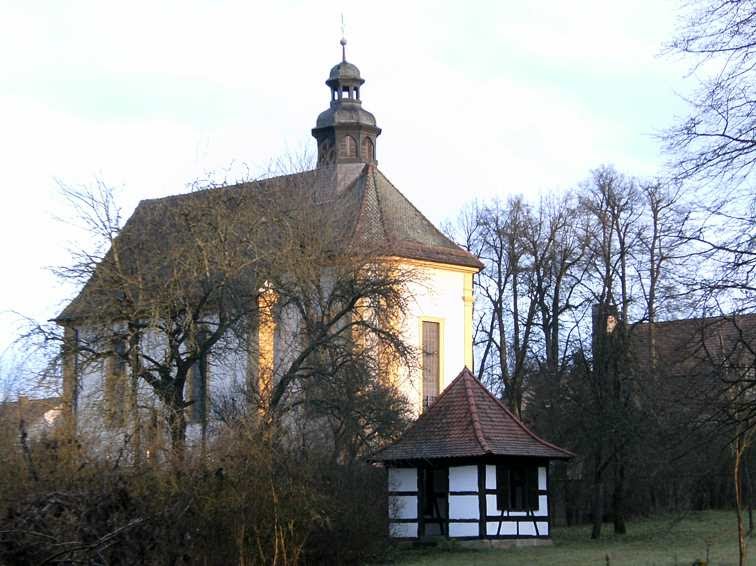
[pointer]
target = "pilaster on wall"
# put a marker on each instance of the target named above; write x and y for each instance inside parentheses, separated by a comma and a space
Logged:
(467, 297)
(266, 337)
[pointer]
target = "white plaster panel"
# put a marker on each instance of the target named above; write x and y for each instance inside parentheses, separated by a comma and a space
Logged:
(402, 507)
(463, 507)
(402, 479)
(403, 530)
(463, 478)
(542, 478)
(490, 477)
(543, 528)
(491, 508)
(543, 505)
(463, 530)
(527, 528)
(507, 528)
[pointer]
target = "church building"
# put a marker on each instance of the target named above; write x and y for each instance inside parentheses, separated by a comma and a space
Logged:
(467, 468)
(367, 205)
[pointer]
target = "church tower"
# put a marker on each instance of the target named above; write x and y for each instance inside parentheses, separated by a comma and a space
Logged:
(346, 132)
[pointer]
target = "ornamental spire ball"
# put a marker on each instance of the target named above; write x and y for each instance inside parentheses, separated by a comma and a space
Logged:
(343, 49)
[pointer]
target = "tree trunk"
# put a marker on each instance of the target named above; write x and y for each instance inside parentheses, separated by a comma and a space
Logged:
(597, 508)
(618, 498)
(177, 427)
(740, 446)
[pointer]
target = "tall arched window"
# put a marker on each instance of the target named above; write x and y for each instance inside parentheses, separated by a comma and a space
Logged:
(368, 150)
(348, 147)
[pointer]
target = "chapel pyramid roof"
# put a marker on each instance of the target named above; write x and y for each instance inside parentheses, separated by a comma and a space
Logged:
(468, 421)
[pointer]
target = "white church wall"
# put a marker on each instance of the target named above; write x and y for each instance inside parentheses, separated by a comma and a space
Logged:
(438, 294)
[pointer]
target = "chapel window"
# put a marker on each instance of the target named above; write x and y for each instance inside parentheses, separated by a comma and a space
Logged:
(115, 386)
(517, 488)
(198, 384)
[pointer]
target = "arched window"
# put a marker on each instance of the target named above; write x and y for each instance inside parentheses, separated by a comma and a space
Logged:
(348, 147)
(326, 152)
(368, 150)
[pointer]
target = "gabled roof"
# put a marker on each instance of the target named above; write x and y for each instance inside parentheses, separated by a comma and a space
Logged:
(467, 421)
(369, 212)
(697, 344)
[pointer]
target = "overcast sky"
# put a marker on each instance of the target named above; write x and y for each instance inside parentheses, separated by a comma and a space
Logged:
(475, 99)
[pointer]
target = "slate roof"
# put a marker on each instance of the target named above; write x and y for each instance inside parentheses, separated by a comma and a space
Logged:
(370, 213)
(468, 421)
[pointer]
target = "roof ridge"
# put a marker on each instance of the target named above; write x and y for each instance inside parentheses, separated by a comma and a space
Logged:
(425, 218)
(518, 421)
(422, 416)
(360, 213)
(233, 185)
(728, 317)
(474, 412)
(370, 170)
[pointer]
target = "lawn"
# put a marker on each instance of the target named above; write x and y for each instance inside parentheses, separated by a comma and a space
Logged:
(669, 540)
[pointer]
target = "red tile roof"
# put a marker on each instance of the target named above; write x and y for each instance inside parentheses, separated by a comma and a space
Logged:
(467, 420)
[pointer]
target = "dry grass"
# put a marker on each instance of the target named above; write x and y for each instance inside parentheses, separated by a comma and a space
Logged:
(662, 541)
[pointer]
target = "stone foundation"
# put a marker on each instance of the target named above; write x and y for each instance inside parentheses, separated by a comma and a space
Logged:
(503, 543)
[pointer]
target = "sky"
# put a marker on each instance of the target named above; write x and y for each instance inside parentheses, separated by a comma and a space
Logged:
(475, 99)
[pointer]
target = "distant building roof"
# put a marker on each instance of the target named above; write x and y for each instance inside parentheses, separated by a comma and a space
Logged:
(468, 421)
(38, 415)
(697, 344)
(364, 209)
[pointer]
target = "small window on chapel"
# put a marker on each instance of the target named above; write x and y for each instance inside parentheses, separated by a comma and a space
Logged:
(348, 147)
(367, 149)
(517, 488)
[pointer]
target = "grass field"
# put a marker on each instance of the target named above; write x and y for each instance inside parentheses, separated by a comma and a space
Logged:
(663, 541)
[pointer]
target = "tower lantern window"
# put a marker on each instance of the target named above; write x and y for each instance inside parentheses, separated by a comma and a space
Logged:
(348, 147)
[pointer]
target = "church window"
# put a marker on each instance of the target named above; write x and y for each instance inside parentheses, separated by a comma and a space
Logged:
(326, 152)
(431, 361)
(197, 379)
(367, 149)
(348, 147)
(115, 383)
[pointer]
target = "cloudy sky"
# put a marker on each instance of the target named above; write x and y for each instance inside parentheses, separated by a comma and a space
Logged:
(475, 99)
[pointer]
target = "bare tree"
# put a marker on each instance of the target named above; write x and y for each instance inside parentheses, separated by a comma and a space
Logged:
(192, 277)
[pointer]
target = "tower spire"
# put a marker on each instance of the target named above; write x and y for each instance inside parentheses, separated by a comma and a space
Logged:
(346, 132)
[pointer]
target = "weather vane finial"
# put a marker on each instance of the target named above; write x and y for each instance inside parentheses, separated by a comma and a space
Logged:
(343, 40)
